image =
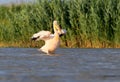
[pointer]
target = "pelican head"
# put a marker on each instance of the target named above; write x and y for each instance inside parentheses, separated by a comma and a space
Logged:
(57, 28)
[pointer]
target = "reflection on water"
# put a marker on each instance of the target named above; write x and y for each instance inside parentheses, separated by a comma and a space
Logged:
(68, 65)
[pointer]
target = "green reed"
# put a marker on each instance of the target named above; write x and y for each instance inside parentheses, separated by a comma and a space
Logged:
(89, 23)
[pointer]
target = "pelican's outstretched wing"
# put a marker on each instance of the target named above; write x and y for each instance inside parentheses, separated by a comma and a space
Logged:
(45, 35)
(42, 35)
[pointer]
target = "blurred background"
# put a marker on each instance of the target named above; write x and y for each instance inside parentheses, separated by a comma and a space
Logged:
(7, 2)
(89, 23)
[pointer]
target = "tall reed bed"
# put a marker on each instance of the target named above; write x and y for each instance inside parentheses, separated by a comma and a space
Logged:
(89, 23)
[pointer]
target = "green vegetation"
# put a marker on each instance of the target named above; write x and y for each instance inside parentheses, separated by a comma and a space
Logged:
(89, 23)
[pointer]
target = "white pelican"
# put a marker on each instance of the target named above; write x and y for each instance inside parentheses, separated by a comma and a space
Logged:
(52, 41)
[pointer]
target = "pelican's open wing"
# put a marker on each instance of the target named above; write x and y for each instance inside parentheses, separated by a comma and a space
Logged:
(42, 35)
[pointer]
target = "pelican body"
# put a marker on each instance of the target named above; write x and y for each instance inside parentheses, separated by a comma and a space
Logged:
(52, 41)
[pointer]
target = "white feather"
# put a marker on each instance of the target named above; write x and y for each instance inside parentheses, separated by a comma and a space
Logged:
(51, 40)
(42, 35)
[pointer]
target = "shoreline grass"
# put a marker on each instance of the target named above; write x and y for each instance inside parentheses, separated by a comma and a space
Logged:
(89, 23)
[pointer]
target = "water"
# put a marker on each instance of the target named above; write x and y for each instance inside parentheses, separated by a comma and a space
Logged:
(68, 65)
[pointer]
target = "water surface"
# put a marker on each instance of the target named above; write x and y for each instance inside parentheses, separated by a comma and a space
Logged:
(67, 65)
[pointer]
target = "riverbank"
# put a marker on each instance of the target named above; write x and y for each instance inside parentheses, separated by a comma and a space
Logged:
(94, 24)
(32, 44)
